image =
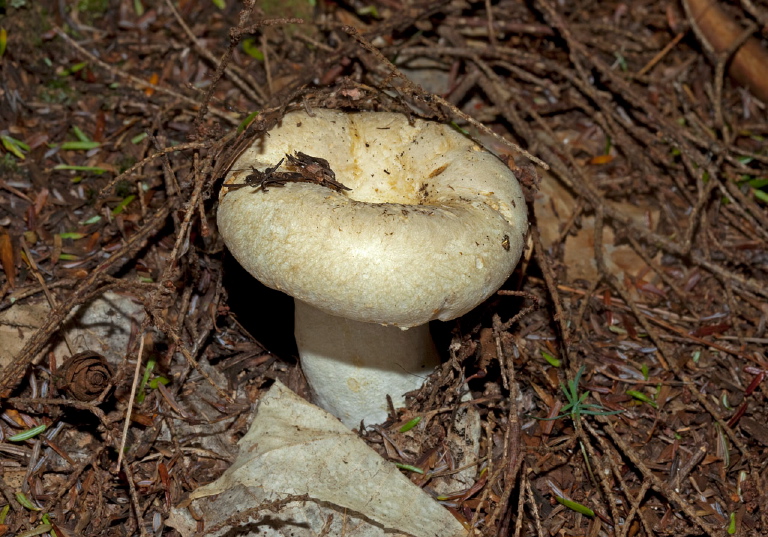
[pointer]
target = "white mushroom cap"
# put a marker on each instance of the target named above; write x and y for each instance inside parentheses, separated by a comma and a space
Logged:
(433, 224)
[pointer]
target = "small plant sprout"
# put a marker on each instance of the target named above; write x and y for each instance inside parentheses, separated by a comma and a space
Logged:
(574, 506)
(563, 499)
(145, 381)
(410, 424)
(551, 360)
(83, 143)
(250, 48)
(247, 121)
(14, 146)
(576, 406)
(73, 69)
(93, 169)
(29, 433)
(409, 468)
(123, 204)
(25, 502)
(640, 396)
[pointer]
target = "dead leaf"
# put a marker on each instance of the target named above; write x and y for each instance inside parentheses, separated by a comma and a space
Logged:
(154, 79)
(601, 159)
(755, 429)
(7, 257)
(712, 329)
(297, 450)
(555, 206)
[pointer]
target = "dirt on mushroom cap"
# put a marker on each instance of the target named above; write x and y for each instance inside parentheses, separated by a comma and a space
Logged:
(401, 247)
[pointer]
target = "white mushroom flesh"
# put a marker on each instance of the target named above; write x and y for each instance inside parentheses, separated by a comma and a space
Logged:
(433, 225)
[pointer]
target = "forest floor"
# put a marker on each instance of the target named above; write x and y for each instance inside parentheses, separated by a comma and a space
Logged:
(627, 398)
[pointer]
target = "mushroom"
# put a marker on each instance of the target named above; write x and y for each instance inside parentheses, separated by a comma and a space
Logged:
(422, 224)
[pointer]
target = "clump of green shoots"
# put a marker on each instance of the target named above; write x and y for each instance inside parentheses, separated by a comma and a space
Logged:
(576, 406)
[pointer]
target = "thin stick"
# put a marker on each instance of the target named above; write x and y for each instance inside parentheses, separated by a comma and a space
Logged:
(656, 483)
(354, 33)
(105, 191)
(130, 402)
(242, 79)
(267, 68)
(491, 31)
(80, 405)
(534, 508)
(139, 82)
(656, 59)
(51, 299)
(134, 495)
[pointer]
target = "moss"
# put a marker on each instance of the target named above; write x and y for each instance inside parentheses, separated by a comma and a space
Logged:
(94, 7)
(123, 189)
(8, 164)
(125, 162)
(92, 10)
(57, 91)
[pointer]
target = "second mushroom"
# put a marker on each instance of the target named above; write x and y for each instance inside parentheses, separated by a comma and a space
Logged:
(430, 226)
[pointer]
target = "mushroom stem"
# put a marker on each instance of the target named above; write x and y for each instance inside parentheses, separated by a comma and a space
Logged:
(352, 366)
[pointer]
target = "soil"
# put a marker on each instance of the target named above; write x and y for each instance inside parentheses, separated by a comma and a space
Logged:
(618, 374)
